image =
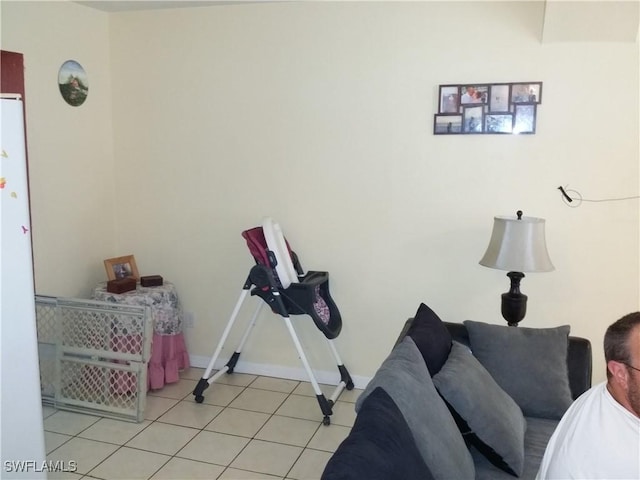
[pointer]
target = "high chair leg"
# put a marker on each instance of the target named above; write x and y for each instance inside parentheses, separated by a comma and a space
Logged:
(205, 381)
(231, 364)
(325, 405)
(345, 378)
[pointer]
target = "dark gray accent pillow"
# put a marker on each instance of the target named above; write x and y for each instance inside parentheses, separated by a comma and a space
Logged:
(495, 421)
(380, 446)
(530, 364)
(404, 376)
(432, 338)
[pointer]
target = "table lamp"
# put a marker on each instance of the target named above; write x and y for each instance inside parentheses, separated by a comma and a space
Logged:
(517, 245)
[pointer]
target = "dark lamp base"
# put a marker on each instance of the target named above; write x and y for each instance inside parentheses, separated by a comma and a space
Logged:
(514, 303)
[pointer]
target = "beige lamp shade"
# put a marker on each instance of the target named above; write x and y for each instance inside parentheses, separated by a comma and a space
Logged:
(518, 245)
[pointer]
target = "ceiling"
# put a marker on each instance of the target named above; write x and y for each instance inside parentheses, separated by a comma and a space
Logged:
(564, 21)
(591, 21)
(132, 5)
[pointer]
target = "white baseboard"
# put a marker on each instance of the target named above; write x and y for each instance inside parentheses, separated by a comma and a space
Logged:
(290, 373)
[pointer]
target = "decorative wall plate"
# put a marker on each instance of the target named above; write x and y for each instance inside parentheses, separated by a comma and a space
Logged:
(73, 83)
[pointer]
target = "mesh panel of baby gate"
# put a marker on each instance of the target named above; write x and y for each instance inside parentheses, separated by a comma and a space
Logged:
(93, 356)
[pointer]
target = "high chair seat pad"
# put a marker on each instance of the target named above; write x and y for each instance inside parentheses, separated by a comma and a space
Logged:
(277, 244)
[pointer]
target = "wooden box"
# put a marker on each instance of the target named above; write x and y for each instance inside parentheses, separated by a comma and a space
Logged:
(121, 285)
(151, 281)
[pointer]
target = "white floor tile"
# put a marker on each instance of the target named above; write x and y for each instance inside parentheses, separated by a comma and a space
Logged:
(350, 395)
(64, 476)
(191, 414)
(157, 406)
(259, 400)
(130, 464)
(69, 423)
(238, 379)
(213, 447)
(86, 453)
(310, 465)
(113, 431)
(344, 413)
(301, 407)
(54, 440)
(162, 438)
(267, 457)
(236, 474)
(47, 411)
(329, 437)
(178, 390)
(192, 373)
(292, 431)
(221, 394)
(306, 389)
(275, 384)
(238, 422)
(182, 469)
(255, 427)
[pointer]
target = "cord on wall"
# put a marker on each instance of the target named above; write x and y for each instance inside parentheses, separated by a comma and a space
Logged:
(570, 196)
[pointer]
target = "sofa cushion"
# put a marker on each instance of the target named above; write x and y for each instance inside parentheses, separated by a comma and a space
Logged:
(530, 364)
(404, 376)
(380, 446)
(496, 423)
(539, 431)
(432, 338)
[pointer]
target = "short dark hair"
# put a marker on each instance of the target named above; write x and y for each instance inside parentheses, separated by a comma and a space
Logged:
(616, 339)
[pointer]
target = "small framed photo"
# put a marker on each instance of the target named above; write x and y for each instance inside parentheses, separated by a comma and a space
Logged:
(474, 94)
(472, 119)
(499, 98)
(449, 99)
(447, 123)
(121, 267)
(498, 123)
(526, 92)
(524, 118)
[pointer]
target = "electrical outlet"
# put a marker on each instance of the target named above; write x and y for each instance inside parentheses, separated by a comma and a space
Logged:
(189, 319)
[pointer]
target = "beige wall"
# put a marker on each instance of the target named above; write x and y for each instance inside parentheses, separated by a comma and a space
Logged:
(320, 115)
(70, 148)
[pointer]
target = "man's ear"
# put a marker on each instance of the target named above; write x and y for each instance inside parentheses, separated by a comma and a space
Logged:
(619, 372)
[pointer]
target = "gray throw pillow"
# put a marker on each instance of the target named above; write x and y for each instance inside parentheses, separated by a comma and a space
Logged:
(404, 376)
(530, 364)
(495, 423)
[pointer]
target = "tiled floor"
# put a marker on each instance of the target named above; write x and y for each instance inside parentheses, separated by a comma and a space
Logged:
(248, 427)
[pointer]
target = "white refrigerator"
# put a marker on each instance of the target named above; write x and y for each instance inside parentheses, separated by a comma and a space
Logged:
(22, 448)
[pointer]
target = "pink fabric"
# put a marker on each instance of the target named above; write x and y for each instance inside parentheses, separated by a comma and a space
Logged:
(124, 382)
(168, 356)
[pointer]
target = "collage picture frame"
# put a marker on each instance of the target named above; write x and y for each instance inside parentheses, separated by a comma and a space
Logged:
(488, 108)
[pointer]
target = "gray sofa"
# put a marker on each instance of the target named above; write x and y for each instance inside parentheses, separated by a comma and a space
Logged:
(457, 401)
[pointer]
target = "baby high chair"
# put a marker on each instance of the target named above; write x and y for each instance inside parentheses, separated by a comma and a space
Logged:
(279, 280)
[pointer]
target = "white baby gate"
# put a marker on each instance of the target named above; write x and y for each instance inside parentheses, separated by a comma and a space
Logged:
(93, 356)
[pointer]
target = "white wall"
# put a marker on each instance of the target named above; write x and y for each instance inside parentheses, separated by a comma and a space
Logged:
(320, 114)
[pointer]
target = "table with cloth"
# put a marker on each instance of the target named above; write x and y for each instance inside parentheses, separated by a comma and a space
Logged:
(168, 350)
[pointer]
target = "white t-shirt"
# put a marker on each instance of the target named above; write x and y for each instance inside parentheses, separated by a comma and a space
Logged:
(597, 438)
(466, 98)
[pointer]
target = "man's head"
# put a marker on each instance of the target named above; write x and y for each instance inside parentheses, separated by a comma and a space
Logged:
(622, 354)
